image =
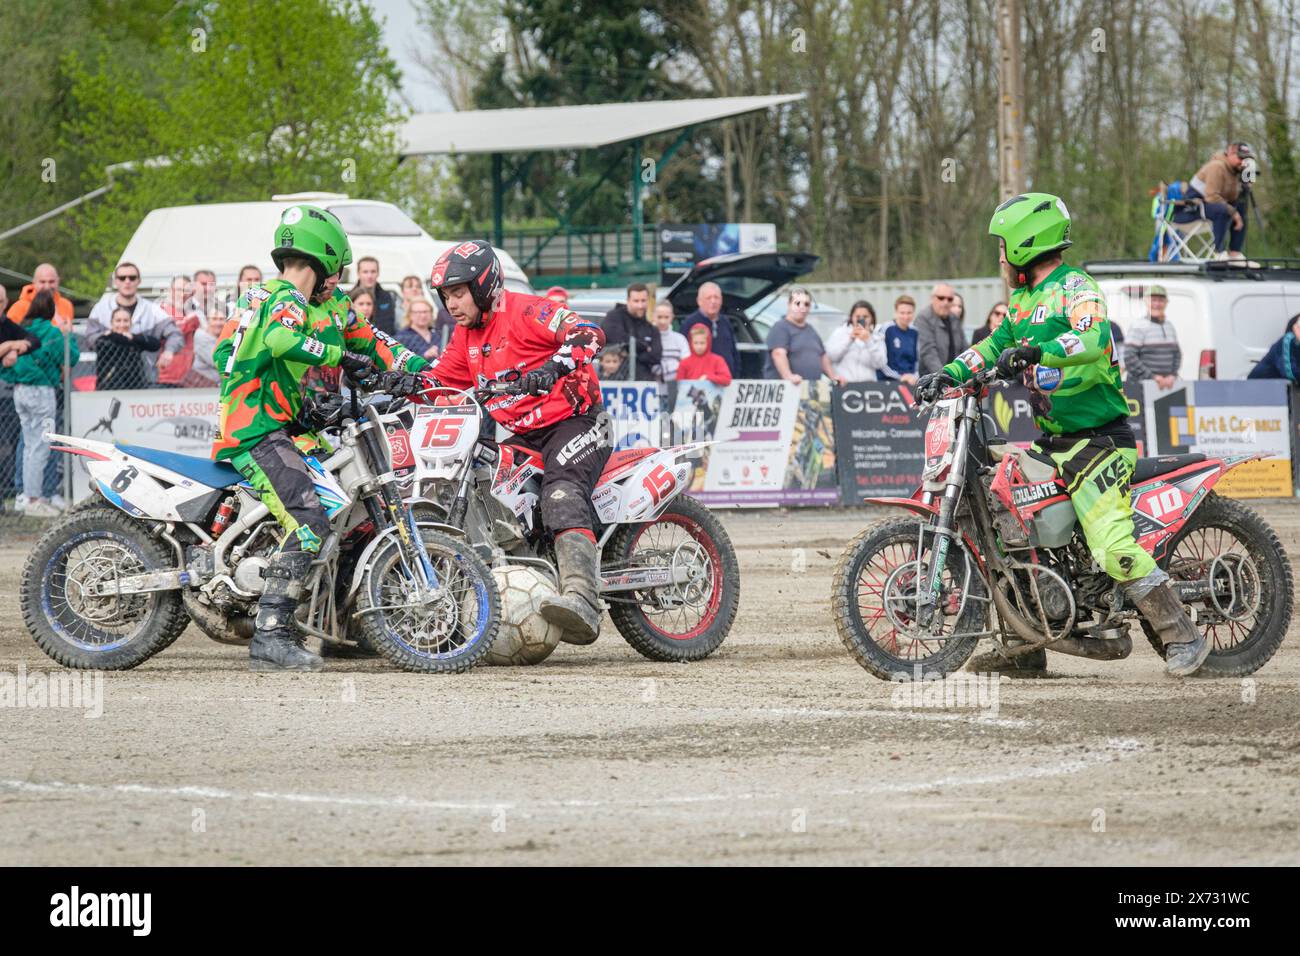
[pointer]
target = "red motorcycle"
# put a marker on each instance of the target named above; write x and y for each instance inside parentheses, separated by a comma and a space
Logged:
(995, 529)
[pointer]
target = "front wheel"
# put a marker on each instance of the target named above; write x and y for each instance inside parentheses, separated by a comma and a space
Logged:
(445, 631)
(64, 600)
(1227, 543)
(874, 602)
(686, 621)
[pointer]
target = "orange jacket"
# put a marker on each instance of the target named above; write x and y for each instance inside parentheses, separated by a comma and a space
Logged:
(18, 309)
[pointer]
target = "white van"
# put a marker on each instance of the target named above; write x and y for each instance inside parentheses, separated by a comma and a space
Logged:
(224, 237)
(1226, 316)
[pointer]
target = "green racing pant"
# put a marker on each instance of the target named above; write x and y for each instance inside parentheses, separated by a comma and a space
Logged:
(276, 469)
(1097, 470)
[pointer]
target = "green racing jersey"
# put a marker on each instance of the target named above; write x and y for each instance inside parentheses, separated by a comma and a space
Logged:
(1076, 386)
(266, 349)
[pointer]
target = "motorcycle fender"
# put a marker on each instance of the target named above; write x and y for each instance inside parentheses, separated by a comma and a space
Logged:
(646, 491)
(911, 504)
(388, 534)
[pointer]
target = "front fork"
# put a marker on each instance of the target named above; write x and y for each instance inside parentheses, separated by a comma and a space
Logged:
(944, 527)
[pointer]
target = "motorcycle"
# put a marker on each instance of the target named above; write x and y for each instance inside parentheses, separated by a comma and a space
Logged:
(995, 530)
(668, 570)
(168, 539)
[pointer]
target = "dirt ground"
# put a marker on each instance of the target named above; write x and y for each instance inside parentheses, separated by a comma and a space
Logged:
(779, 749)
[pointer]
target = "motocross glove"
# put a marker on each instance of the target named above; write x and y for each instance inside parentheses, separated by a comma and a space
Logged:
(931, 385)
(540, 380)
(1014, 361)
(400, 383)
(358, 368)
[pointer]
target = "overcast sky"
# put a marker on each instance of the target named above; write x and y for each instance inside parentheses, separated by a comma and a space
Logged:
(401, 32)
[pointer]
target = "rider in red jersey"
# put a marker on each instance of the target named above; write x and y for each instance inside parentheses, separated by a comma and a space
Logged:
(548, 350)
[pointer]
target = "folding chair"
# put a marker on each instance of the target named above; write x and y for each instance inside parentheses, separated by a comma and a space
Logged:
(1191, 239)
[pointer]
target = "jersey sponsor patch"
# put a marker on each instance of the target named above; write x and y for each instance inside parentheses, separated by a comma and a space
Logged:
(1074, 280)
(298, 297)
(288, 315)
(1072, 344)
(257, 294)
(1046, 379)
(1083, 323)
(971, 359)
(313, 347)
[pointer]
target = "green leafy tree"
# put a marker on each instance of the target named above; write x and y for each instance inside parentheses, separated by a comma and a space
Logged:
(239, 101)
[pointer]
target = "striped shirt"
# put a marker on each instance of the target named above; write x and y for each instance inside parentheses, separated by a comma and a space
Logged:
(1151, 349)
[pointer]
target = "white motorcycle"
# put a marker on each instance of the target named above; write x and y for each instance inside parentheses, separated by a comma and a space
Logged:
(669, 573)
(172, 538)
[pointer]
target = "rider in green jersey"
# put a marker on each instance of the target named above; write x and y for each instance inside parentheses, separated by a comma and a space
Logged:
(1057, 336)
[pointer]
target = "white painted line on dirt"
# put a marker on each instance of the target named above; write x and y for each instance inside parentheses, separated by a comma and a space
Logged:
(1109, 752)
(979, 720)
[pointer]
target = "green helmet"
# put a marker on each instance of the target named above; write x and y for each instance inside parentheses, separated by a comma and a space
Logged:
(315, 234)
(1031, 225)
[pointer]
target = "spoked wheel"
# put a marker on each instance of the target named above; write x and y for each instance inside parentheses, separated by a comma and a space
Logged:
(687, 620)
(67, 594)
(1249, 610)
(448, 629)
(875, 602)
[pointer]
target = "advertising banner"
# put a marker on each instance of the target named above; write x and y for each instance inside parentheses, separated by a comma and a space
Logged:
(681, 246)
(180, 420)
(880, 447)
(1222, 419)
(636, 413)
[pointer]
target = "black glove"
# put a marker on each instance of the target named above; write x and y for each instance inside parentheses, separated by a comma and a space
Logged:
(400, 383)
(540, 380)
(1014, 361)
(357, 368)
(932, 384)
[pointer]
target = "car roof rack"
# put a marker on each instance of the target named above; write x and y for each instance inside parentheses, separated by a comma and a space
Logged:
(1257, 270)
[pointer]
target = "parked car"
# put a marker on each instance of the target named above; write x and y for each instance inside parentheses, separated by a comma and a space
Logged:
(1226, 315)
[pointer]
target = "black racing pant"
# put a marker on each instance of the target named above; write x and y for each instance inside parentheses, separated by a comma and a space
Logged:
(574, 452)
(275, 467)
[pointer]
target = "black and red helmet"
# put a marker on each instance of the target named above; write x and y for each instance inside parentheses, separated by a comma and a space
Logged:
(475, 263)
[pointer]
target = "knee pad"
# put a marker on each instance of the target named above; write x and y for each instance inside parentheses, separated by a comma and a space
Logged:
(566, 504)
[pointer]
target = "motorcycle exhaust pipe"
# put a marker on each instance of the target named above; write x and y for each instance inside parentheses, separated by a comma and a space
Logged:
(1094, 648)
(214, 624)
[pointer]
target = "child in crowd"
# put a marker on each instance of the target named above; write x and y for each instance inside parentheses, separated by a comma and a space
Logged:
(703, 362)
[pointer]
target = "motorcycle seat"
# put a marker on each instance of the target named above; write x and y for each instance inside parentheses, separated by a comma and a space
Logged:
(1148, 468)
(214, 474)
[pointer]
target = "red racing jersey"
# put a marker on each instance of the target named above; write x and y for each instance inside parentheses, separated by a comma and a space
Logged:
(523, 334)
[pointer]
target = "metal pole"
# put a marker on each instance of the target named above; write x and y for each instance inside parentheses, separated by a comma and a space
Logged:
(638, 217)
(498, 229)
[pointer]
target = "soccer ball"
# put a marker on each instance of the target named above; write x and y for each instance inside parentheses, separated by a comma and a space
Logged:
(524, 637)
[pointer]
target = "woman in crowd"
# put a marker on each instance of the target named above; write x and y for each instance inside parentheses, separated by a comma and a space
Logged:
(118, 359)
(994, 319)
(363, 303)
(412, 290)
(857, 348)
(204, 373)
(36, 376)
(419, 336)
(187, 322)
(1282, 360)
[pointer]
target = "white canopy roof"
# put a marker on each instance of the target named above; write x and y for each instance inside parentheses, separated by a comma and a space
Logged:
(567, 127)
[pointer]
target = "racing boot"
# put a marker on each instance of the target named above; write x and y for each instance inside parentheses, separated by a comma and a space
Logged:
(1186, 648)
(277, 645)
(576, 608)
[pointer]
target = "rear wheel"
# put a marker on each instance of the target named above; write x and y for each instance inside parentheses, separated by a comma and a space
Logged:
(79, 555)
(445, 632)
(687, 621)
(1237, 550)
(874, 601)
